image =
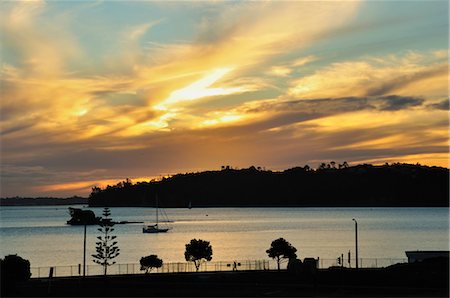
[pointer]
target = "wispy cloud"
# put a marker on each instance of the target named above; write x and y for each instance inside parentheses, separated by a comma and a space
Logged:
(138, 31)
(411, 74)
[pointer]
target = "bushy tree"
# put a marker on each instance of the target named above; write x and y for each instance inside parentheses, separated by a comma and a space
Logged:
(13, 269)
(150, 262)
(106, 247)
(198, 251)
(281, 250)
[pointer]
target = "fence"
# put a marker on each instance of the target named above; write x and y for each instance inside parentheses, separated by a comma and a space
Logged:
(77, 270)
(362, 262)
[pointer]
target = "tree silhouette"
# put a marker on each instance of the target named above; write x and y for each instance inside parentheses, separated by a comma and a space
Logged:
(281, 250)
(150, 262)
(106, 247)
(198, 251)
(13, 269)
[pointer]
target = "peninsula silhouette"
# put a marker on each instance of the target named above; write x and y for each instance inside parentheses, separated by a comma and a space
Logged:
(331, 185)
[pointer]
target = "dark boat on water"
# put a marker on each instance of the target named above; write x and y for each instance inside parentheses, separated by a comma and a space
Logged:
(87, 217)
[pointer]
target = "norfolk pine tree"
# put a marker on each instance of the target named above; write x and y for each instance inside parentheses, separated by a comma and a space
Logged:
(106, 247)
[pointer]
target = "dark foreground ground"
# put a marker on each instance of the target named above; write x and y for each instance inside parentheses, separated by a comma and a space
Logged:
(429, 279)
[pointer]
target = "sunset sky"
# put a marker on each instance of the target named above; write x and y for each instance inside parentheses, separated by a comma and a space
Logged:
(93, 92)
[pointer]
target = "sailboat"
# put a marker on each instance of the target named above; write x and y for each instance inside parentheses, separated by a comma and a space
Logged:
(155, 227)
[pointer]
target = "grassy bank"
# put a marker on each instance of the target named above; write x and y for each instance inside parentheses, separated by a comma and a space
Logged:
(402, 280)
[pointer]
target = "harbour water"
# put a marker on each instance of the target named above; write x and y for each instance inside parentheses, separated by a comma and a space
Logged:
(40, 233)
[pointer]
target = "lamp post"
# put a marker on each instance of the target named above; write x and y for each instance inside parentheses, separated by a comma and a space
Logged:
(84, 251)
(356, 241)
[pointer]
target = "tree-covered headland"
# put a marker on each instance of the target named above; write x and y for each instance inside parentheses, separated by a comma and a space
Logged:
(329, 185)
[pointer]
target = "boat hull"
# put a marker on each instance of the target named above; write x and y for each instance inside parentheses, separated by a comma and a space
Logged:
(154, 230)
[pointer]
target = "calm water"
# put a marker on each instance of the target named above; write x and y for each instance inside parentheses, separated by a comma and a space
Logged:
(40, 234)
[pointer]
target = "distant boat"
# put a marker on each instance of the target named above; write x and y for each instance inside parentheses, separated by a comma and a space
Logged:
(155, 227)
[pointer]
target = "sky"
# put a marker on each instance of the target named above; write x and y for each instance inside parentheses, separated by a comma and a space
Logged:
(93, 92)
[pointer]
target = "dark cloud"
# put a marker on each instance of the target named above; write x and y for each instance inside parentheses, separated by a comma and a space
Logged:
(443, 105)
(16, 128)
(328, 106)
(392, 85)
(396, 103)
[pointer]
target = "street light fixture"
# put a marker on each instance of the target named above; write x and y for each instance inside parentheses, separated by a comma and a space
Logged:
(356, 241)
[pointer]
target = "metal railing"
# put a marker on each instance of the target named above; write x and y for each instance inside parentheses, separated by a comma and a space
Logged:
(362, 262)
(91, 270)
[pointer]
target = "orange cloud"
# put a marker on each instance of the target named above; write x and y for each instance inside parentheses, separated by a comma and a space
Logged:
(84, 186)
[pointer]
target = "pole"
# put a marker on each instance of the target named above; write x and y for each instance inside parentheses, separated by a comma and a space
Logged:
(84, 251)
(356, 242)
(349, 260)
(156, 208)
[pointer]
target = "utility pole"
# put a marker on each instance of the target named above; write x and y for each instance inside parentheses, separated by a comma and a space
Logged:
(356, 242)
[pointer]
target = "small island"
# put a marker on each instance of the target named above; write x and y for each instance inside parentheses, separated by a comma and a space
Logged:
(87, 217)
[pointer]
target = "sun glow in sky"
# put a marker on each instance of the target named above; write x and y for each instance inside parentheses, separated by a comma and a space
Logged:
(199, 89)
(94, 92)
